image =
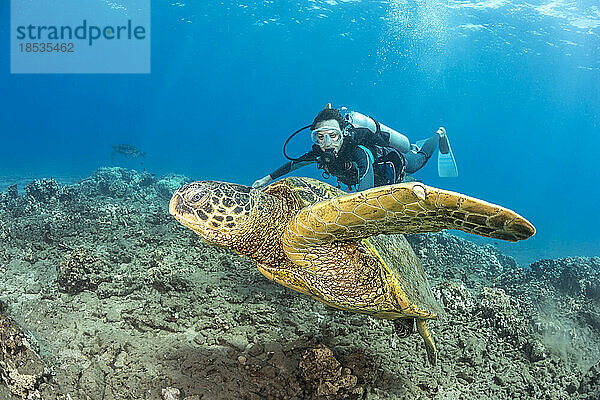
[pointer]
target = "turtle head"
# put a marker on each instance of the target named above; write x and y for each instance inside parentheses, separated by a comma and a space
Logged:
(219, 212)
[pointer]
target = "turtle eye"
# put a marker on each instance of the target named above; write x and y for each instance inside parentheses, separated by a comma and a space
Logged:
(198, 196)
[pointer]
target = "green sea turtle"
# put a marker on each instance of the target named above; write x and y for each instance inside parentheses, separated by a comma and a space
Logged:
(127, 150)
(345, 250)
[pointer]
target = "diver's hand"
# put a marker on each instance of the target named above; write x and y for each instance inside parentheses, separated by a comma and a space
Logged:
(441, 131)
(262, 182)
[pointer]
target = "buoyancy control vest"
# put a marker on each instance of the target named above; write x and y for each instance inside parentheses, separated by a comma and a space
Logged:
(385, 135)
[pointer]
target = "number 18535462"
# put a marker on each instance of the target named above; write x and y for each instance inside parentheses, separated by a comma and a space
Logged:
(47, 47)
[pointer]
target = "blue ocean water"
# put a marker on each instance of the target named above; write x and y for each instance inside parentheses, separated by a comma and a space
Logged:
(516, 84)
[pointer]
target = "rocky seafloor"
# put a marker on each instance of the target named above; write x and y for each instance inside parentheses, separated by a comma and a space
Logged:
(103, 295)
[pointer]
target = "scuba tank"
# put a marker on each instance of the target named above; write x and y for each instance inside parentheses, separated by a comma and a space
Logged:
(396, 139)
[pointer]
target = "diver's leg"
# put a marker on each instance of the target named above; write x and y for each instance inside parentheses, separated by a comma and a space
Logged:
(415, 162)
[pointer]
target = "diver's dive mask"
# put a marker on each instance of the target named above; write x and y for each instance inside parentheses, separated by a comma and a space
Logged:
(326, 136)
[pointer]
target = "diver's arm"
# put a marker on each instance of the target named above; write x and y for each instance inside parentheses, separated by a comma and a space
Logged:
(364, 161)
(262, 182)
(286, 168)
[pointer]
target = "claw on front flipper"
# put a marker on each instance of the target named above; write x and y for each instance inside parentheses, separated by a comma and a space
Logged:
(429, 345)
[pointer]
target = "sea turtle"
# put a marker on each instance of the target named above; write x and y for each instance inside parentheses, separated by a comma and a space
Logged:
(128, 151)
(345, 250)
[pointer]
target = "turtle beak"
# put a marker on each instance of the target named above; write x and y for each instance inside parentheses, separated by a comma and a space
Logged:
(185, 211)
(174, 204)
(180, 210)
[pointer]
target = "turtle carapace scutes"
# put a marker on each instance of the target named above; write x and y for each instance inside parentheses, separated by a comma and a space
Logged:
(345, 250)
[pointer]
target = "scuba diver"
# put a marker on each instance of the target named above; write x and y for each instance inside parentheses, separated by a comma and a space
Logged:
(363, 153)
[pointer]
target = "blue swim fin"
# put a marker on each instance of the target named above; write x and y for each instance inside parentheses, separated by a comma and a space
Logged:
(446, 164)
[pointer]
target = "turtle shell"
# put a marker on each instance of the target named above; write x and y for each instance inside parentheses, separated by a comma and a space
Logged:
(395, 253)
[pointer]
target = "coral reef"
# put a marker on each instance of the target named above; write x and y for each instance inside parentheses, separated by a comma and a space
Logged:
(120, 183)
(454, 297)
(127, 304)
(444, 257)
(569, 288)
(42, 190)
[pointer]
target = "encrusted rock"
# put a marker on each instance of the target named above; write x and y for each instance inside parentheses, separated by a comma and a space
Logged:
(21, 369)
(319, 364)
(79, 271)
(169, 184)
(326, 376)
(171, 393)
(505, 314)
(568, 287)
(575, 276)
(12, 192)
(454, 297)
(448, 257)
(589, 387)
(120, 183)
(42, 190)
(164, 279)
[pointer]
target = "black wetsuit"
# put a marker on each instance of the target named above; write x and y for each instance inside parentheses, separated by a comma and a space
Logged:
(349, 166)
(365, 160)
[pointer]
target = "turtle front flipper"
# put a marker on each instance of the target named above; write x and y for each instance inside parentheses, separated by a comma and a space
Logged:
(401, 208)
(404, 326)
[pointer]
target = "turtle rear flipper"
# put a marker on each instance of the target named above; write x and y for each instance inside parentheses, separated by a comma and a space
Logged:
(429, 344)
(400, 208)
(405, 327)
